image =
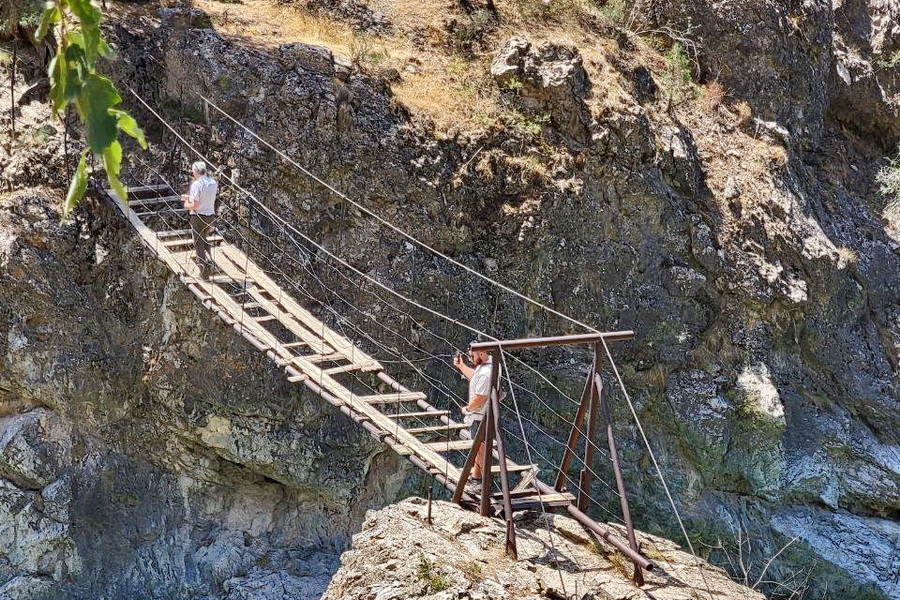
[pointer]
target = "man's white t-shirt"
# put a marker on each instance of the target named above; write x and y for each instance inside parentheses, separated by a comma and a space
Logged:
(204, 189)
(480, 385)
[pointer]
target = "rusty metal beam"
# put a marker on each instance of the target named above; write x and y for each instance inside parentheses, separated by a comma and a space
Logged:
(575, 433)
(607, 535)
(511, 549)
(470, 460)
(560, 340)
(584, 482)
(620, 482)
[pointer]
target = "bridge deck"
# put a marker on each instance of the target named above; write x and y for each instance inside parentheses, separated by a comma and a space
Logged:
(310, 352)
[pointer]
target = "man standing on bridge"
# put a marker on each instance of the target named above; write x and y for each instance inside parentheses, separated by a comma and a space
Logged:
(479, 376)
(200, 201)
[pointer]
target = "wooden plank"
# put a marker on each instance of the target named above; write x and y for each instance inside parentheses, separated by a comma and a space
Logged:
(319, 358)
(513, 468)
(289, 344)
(213, 239)
(338, 342)
(173, 233)
(264, 318)
(224, 260)
(142, 189)
(296, 378)
(343, 368)
(563, 497)
(434, 428)
(393, 397)
(153, 200)
(416, 415)
(157, 212)
(449, 446)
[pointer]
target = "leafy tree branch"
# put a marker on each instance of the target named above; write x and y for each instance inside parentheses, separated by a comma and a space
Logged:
(74, 80)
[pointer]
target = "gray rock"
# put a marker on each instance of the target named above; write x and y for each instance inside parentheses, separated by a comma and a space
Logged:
(548, 78)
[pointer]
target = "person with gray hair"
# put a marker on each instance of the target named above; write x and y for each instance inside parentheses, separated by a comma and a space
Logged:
(200, 202)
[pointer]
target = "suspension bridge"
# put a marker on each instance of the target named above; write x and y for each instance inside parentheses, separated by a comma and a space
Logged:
(263, 306)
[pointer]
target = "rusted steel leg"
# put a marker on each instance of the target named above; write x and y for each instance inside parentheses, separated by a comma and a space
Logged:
(620, 482)
(575, 433)
(488, 453)
(504, 480)
(470, 462)
(601, 531)
(584, 483)
(487, 459)
(576, 423)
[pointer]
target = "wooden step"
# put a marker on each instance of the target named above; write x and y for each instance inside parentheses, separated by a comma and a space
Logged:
(264, 318)
(173, 233)
(417, 415)
(343, 369)
(291, 344)
(513, 468)
(393, 397)
(144, 189)
(156, 212)
(331, 356)
(545, 500)
(152, 200)
(213, 239)
(451, 427)
(451, 445)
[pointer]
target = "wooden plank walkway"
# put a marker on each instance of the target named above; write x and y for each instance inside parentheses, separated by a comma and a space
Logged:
(308, 350)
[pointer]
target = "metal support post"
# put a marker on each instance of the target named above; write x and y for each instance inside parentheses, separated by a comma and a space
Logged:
(574, 435)
(488, 454)
(470, 461)
(584, 482)
(504, 474)
(620, 482)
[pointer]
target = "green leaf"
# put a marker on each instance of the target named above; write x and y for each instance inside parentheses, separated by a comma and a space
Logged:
(112, 158)
(57, 71)
(127, 124)
(77, 187)
(95, 98)
(51, 16)
(87, 12)
(112, 162)
(117, 187)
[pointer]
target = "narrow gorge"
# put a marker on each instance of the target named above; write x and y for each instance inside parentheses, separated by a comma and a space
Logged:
(714, 175)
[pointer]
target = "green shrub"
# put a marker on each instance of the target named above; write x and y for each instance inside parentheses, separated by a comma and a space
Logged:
(616, 11)
(890, 62)
(437, 581)
(678, 75)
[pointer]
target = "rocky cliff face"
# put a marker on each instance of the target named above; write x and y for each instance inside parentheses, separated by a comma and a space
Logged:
(745, 249)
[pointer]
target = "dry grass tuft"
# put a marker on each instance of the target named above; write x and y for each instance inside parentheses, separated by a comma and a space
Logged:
(713, 95)
(744, 112)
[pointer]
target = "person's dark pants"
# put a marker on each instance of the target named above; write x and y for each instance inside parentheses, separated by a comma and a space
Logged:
(201, 225)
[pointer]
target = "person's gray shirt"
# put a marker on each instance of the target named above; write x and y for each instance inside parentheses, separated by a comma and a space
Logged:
(204, 189)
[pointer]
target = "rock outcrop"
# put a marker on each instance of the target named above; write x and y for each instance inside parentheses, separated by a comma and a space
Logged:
(399, 555)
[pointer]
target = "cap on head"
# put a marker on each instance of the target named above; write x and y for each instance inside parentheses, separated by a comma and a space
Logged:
(199, 167)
